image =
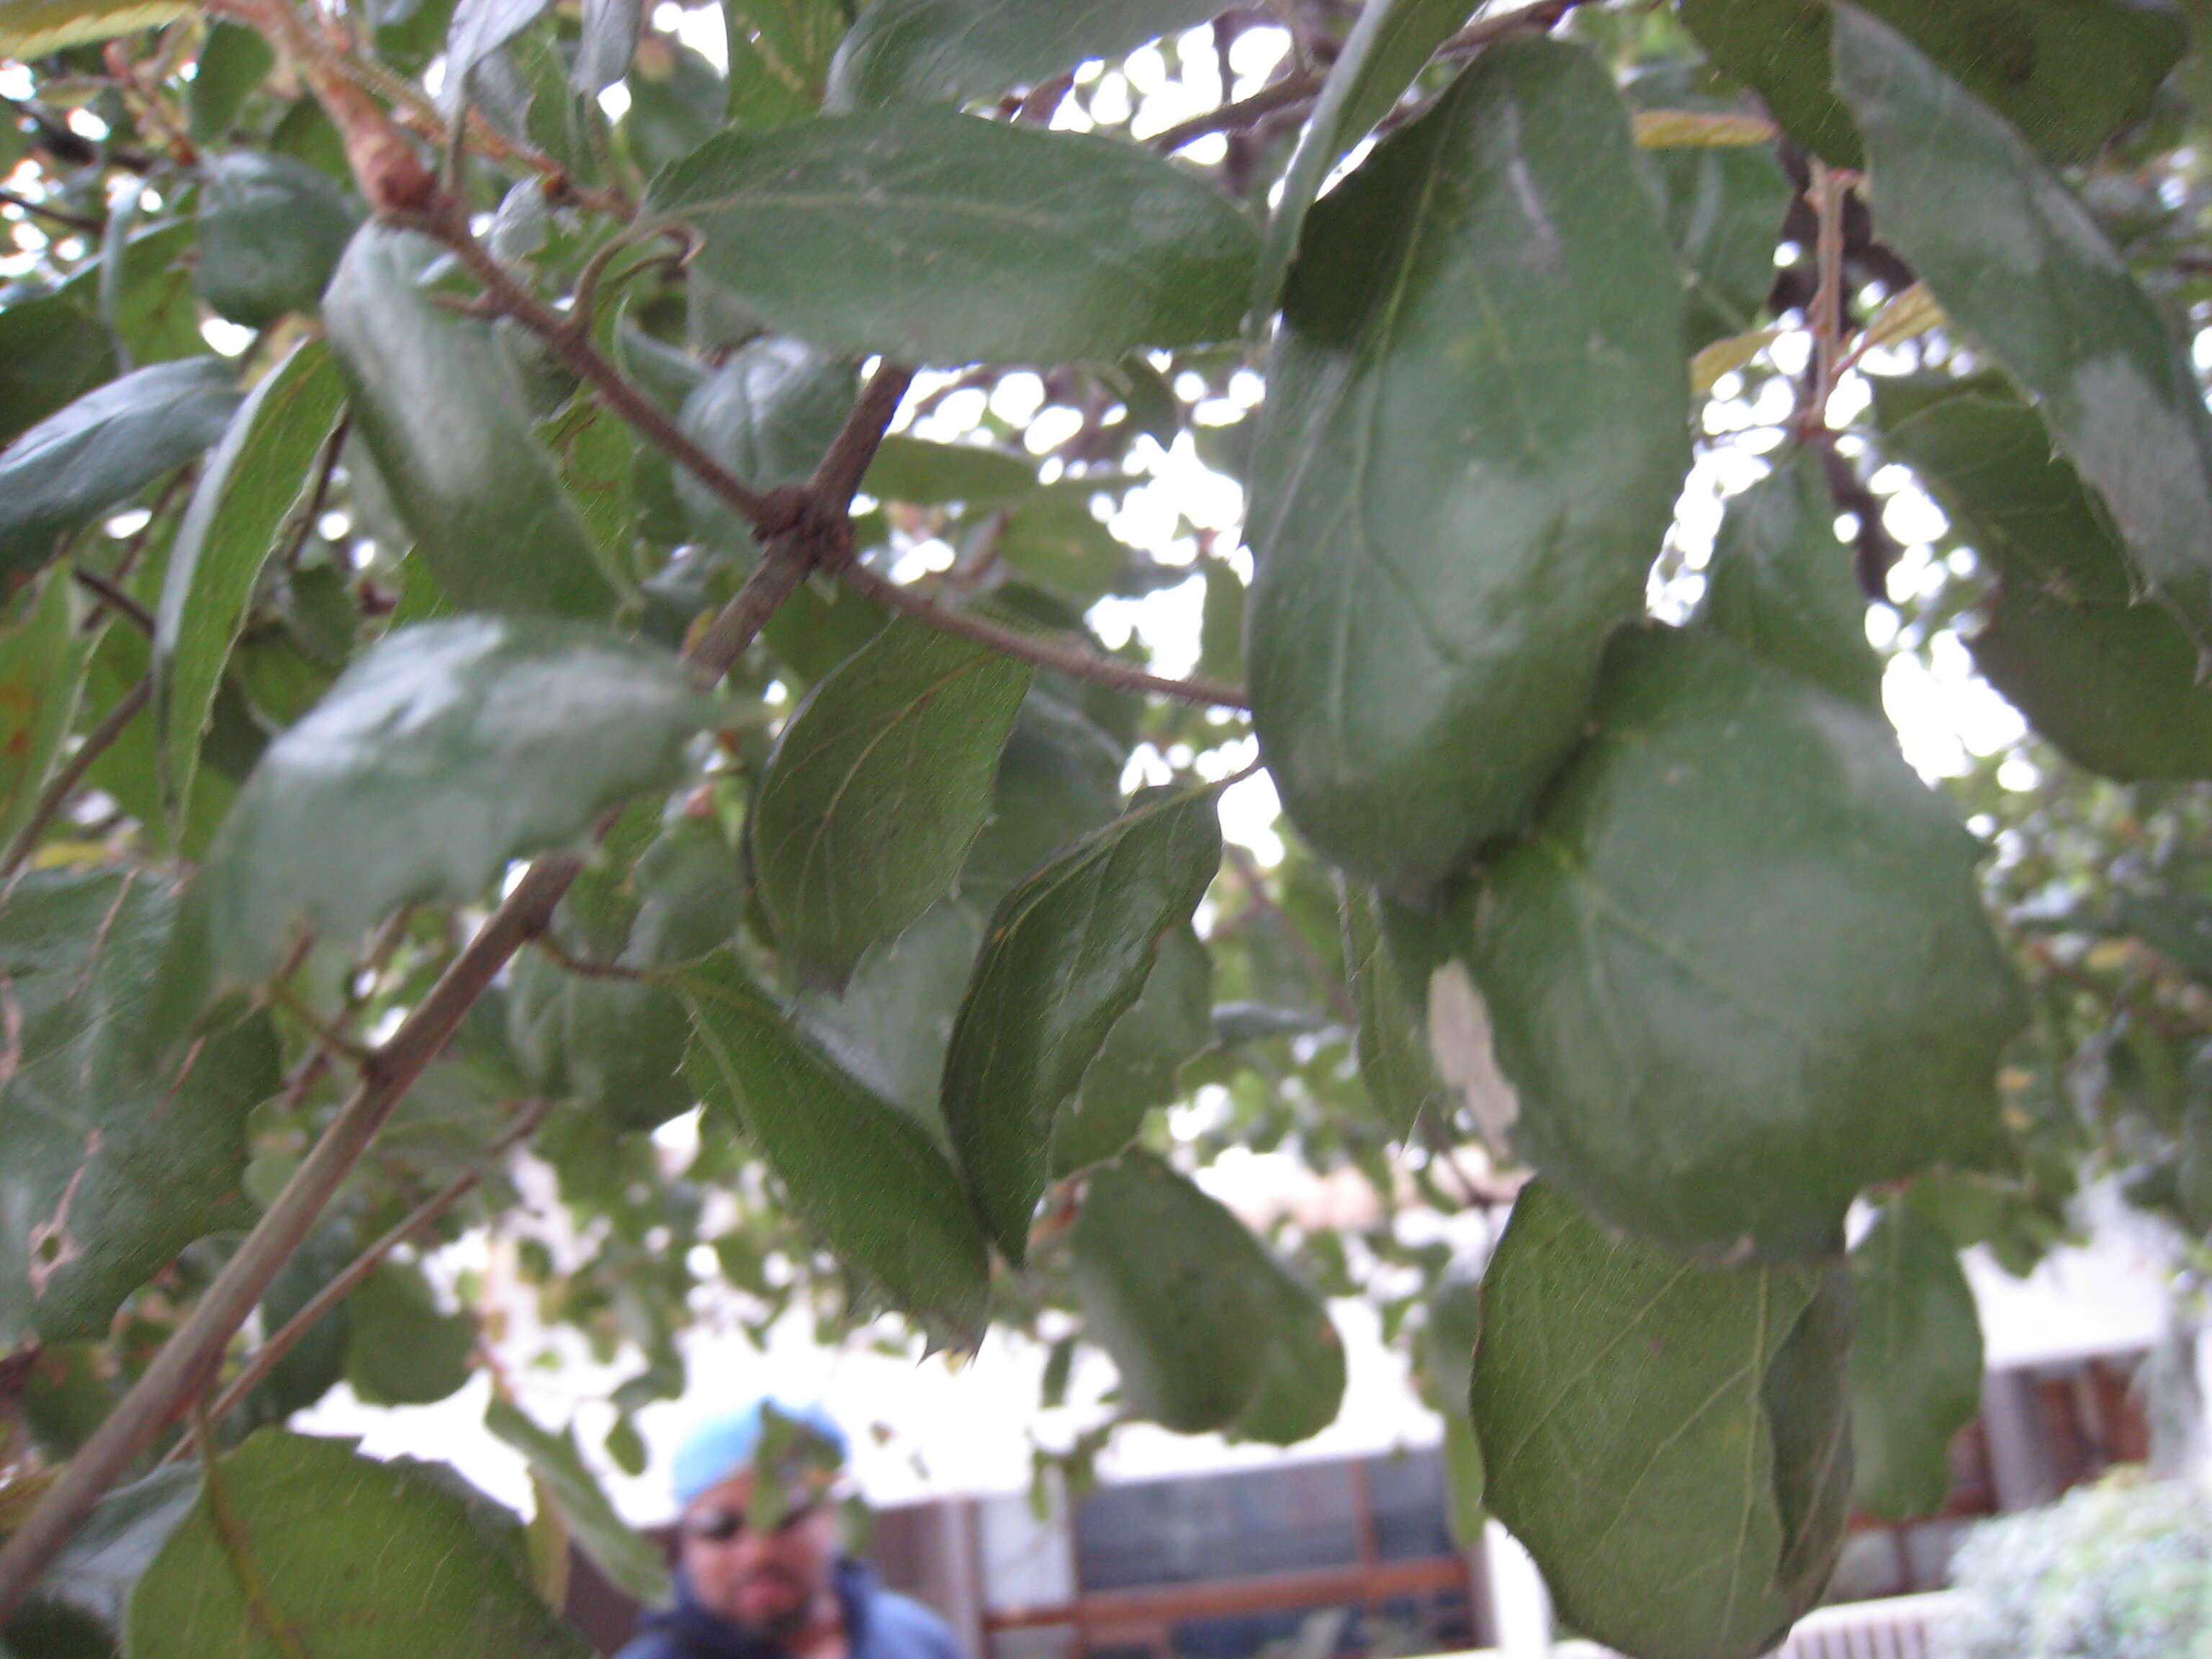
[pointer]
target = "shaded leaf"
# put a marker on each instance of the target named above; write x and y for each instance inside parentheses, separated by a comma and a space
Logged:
(1780, 584)
(966, 49)
(113, 1165)
(690, 894)
(479, 28)
(42, 670)
(1724, 1077)
(1449, 1338)
(103, 449)
(931, 474)
(1177, 1290)
(309, 1514)
(1475, 431)
(271, 232)
(1066, 953)
(861, 1172)
(2024, 273)
(1668, 1441)
(629, 1559)
(931, 235)
(878, 784)
(263, 464)
(614, 1044)
(1389, 44)
(233, 63)
(768, 415)
(445, 750)
(316, 1363)
(1302, 1367)
(2065, 72)
(94, 1575)
(1392, 998)
(610, 40)
(445, 417)
(2109, 680)
(402, 1349)
(1916, 1372)
(889, 1026)
(1060, 777)
(1135, 1068)
(51, 351)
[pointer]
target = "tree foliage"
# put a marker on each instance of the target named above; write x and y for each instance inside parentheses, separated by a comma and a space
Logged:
(556, 582)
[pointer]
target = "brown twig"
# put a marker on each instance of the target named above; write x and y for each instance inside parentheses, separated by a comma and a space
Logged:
(288, 1336)
(1826, 321)
(113, 597)
(74, 220)
(585, 968)
(1045, 651)
(69, 774)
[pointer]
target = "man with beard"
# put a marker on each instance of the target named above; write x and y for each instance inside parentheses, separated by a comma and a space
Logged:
(759, 1575)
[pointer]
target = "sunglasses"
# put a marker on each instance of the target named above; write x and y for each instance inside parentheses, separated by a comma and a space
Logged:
(721, 1526)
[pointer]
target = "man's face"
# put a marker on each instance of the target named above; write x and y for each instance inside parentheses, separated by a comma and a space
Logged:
(766, 1584)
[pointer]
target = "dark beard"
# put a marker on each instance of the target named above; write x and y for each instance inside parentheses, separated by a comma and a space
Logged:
(782, 1627)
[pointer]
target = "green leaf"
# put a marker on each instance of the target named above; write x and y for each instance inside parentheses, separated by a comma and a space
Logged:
(631, 1561)
(1668, 1441)
(402, 1349)
(614, 1045)
(1389, 44)
(103, 449)
(1780, 584)
(1392, 997)
(1177, 1290)
(877, 786)
(858, 1171)
(1302, 1366)
(931, 474)
(357, 1560)
(938, 236)
(1740, 970)
(2024, 273)
(1475, 428)
(1171, 1019)
(271, 232)
(1066, 954)
(34, 28)
(262, 466)
(1449, 1339)
(234, 61)
(444, 751)
(889, 1027)
(768, 415)
(445, 418)
(2066, 73)
(148, 302)
(1916, 1372)
(42, 668)
(960, 50)
(691, 896)
(1060, 778)
(1724, 205)
(479, 28)
(94, 1572)
(608, 43)
(53, 350)
(114, 1166)
(780, 56)
(2109, 680)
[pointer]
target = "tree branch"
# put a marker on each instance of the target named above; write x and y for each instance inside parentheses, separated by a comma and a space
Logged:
(287, 1337)
(73, 220)
(1043, 650)
(63, 783)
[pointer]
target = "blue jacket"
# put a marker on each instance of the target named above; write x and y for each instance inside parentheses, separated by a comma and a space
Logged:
(879, 1624)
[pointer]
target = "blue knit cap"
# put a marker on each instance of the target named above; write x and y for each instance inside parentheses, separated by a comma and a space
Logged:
(722, 1446)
